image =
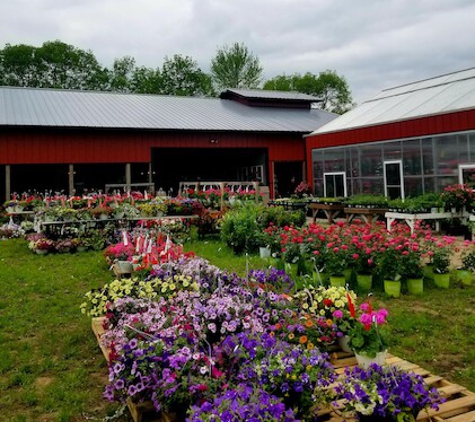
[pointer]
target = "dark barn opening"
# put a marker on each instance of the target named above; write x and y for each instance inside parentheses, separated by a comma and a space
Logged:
(174, 165)
(39, 178)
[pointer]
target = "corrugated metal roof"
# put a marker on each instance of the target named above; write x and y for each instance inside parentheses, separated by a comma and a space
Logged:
(439, 95)
(273, 95)
(90, 109)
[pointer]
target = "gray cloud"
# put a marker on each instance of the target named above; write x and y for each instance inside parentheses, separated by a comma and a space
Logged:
(375, 44)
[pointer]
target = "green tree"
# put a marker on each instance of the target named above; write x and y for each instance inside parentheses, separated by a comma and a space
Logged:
(145, 80)
(332, 89)
(18, 65)
(235, 67)
(53, 65)
(181, 75)
(120, 78)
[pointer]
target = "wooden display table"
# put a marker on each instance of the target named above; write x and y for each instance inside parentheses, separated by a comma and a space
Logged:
(437, 217)
(368, 215)
(331, 211)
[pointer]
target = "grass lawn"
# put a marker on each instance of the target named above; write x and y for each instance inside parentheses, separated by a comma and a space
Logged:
(51, 368)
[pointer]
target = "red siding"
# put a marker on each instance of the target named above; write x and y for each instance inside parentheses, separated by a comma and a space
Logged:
(424, 126)
(38, 146)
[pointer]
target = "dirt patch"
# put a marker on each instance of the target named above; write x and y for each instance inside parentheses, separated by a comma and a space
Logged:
(42, 382)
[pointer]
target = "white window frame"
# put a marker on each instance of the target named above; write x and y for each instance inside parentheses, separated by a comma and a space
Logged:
(389, 162)
(336, 173)
(462, 167)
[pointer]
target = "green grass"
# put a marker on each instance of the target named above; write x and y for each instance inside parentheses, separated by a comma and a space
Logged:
(51, 368)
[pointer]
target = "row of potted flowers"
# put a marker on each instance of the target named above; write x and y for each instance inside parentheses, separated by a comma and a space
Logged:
(210, 345)
(367, 249)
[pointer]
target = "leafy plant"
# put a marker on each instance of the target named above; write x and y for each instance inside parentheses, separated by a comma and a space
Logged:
(238, 228)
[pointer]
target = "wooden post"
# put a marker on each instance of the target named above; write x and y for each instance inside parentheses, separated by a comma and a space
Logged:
(8, 187)
(128, 177)
(222, 195)
(150, 178)
(256, 189)
(71, 180)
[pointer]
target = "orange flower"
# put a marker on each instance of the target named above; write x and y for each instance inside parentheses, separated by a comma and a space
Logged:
(278, 326)
(309, 323)
(310, 346)
(329, 322)
(303, 339)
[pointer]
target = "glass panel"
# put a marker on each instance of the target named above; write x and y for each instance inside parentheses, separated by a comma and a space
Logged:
(374, 186)
(463, 149)
(334, 160)
(427, 156)
(413, 186)
(471, 146)
(412, 158)
(393, 174)
(371, 160)
(429, 184)
(392, 150)
(354, 170)
(318, 185)
(443, 182)
(335, 185)
(446, 155)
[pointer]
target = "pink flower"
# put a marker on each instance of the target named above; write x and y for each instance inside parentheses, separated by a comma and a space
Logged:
(338, 314)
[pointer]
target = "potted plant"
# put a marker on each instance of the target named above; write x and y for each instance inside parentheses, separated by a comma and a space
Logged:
(465, 272)
(367, 334)
(336, 264)
(389, 268)
(385, 393)
(440, 264)
(412, 269)
(42, 246)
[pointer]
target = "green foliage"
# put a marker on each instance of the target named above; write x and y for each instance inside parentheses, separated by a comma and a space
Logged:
(53, 65)
(239, 226)
(181, 76)
(328, 86)
(365, 199)
(279, 217)
(441, 260)
(234, 66)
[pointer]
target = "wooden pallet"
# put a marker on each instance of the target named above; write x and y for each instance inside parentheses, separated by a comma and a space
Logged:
(459, 405)
(97, 325)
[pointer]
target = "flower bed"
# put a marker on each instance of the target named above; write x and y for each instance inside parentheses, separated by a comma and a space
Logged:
(195, 340)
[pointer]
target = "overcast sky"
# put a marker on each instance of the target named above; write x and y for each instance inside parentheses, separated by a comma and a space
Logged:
(375, 44)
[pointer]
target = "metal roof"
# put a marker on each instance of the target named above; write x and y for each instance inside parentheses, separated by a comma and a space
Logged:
(91, 109)
(439, 95)
(273, 95)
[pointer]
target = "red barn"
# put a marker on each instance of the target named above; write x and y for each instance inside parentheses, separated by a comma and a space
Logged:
(69, 141)
(408, 140)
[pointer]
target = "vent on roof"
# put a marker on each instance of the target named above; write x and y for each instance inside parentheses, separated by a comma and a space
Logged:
(262, 98)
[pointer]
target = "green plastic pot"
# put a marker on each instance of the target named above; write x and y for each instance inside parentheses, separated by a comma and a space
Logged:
(415, 286)
(465, 276)
(320, 277)
(442, 280)
(429, 272)
(392, 288)
(337, 281)
(364, 281)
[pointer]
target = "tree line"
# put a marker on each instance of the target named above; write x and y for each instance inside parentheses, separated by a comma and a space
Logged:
(58, 65)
